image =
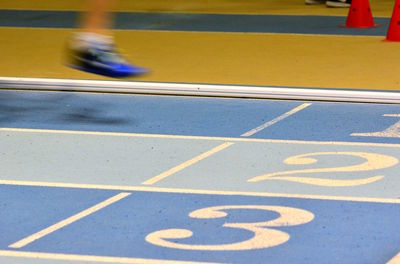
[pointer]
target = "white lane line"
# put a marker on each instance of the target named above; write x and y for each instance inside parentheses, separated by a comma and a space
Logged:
(225, 139)
(23, 242)
(187, 164)
(395, 259)
(90, 258)
(198, 191)
(276, 120)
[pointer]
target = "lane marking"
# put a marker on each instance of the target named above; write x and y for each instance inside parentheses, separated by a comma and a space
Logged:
(188, 163)
(23, 242)
(372, 162)
(392, 115)
(198, 191)
(391, 132)
(205, 138)
(275, 120)
(96, 259)
(395, 259)
(265, 233)
(221, 147)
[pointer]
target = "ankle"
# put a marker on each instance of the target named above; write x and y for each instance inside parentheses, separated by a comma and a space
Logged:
(84, 40)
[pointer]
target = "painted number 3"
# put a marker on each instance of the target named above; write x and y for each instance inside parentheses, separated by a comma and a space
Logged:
(264, 236)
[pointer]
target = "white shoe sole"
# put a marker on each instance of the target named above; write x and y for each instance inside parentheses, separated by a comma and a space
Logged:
(314, 2)
(336, 4)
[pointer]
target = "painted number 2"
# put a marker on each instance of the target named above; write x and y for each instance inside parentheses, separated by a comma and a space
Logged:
(264, 236)
(373, 161)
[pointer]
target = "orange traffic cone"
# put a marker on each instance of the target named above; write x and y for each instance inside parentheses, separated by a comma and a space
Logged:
(394, 27)
(360, 15)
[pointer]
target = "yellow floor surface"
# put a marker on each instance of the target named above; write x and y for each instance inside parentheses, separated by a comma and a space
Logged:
(380, 8)
(223, 58)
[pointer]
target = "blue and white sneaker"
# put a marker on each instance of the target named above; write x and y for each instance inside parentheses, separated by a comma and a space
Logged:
(101, 59)
(338, 3)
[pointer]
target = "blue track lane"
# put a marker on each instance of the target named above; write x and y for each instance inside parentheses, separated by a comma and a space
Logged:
(323, 229)
(348, 232)
(194, 116)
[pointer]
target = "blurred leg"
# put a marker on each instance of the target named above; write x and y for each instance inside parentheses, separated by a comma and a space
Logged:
(92, 48)
(97, 18)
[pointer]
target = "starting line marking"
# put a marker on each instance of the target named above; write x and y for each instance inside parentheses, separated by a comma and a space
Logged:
(193, 191)
(68, 221)
(225, 139)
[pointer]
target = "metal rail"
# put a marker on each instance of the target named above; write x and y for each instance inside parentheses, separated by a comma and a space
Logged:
(211, 90)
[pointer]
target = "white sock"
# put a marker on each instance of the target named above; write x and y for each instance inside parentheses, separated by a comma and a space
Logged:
(84, 40)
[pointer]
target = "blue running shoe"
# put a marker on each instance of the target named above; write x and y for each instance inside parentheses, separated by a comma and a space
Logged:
(103, 60)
